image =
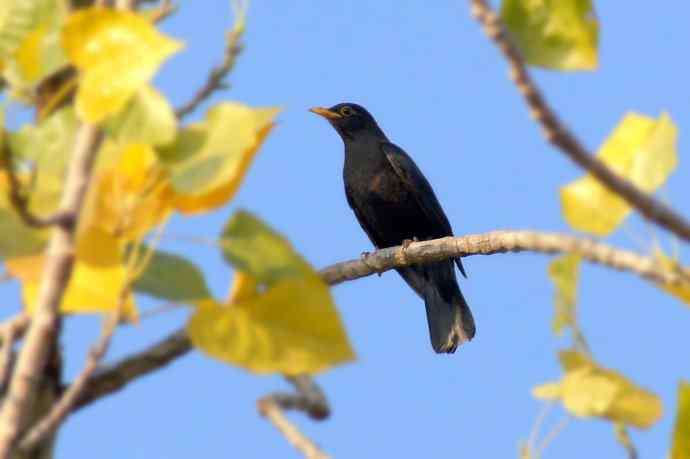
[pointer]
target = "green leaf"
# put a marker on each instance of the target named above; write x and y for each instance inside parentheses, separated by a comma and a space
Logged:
(563, 272)
(30, 47)
(254, 248)
(681, 432)
(640, 149)
(23, 240)
(208, 160)
(556, 34)
(148, 118)
(40, 156)
(173, 278)
(45, 149)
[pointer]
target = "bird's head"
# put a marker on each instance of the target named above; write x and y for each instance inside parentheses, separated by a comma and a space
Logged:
(350, 120)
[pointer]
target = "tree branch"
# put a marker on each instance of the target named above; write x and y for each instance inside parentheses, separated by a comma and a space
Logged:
(308, 398)
(116, 376)
(10, 331)
(56, 274)
(50, 422)
(273, 411)
(558, 134)
(501, 242)
(215, 78)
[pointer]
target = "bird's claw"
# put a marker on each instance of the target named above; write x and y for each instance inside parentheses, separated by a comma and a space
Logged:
(405, 245)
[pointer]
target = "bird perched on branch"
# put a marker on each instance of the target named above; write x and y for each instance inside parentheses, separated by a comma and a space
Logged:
(395, 204)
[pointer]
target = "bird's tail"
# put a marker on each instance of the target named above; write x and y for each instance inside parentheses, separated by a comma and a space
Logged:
(450, 319)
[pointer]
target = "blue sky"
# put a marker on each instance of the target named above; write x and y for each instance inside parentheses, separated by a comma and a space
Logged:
(440, 90)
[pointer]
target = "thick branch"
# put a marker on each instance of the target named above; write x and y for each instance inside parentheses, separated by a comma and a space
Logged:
(115, 377)
(558, 134)
(56, 274)
(10, 332)
(59, 411)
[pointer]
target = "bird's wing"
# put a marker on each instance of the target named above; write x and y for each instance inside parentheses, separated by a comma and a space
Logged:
(362, 219)
(418, 186)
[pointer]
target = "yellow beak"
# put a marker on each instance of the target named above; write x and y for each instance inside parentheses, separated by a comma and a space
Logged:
(326, 113)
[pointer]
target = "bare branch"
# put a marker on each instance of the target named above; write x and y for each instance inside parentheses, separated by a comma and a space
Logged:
(116, 376)
(308, 398)
(215, 78)
(501, 242)
(48, 424)
(10, 331)
(20, 200)
(272, 411)
(165, 9)
(56, 274)
(558, 134)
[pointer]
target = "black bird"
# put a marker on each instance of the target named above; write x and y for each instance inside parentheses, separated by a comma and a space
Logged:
(395, 204)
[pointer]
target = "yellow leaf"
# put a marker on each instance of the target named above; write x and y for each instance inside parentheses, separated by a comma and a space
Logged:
(131, 197)
(40, 53)
(118, 53)
(243, 288)
(563, 272)
(680, 290)
(208, 160)
(640, 149)
(556, 34)
(588, 390)
(293, 328)
(681, 432)
(281, 317)
(547, 391)
(27, 54)
(98, 277)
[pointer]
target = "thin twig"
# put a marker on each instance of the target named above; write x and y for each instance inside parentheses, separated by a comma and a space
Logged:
(63, 407)
(272, 411)
(20, 200)
(308, 397)
(165, 9)
(551, 436)
(623, 437)
(118, 375)
(10, 331)
(56, 274)
(559, 135)
(215, 78)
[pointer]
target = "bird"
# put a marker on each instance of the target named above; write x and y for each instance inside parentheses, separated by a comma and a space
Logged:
(395, 205)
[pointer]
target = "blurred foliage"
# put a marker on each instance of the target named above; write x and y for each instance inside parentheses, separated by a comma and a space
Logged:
(556, 34)
(149, 167)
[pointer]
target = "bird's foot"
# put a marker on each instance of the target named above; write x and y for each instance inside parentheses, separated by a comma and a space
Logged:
(363, 256)
(405, 244)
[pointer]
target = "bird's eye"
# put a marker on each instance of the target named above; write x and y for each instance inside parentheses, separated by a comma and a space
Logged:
(346, 111)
